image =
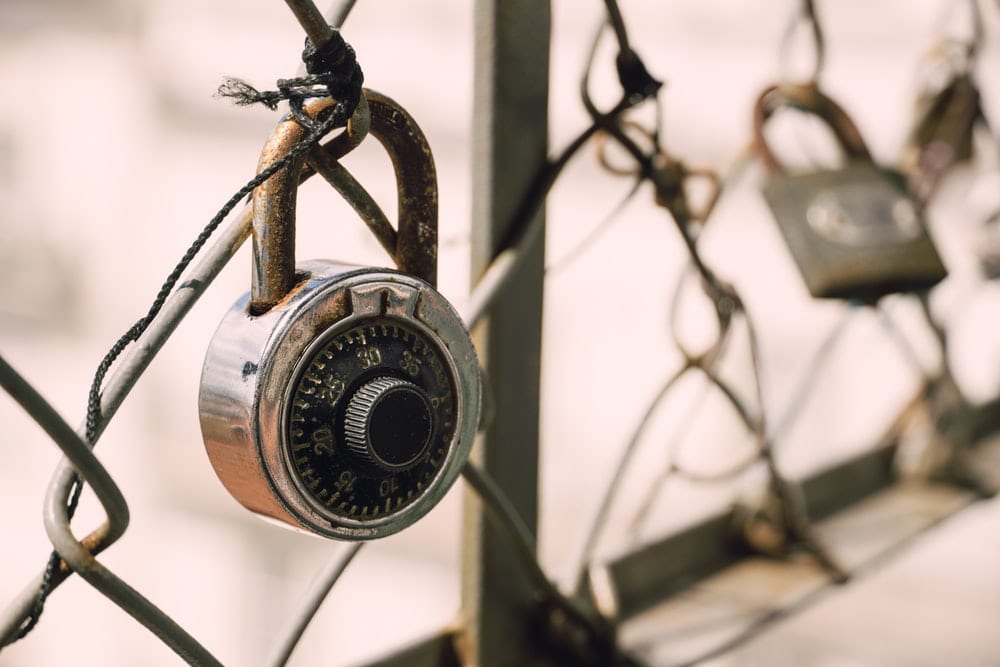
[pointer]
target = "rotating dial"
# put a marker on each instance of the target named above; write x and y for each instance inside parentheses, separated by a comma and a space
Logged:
(389, 423)
(372, 412)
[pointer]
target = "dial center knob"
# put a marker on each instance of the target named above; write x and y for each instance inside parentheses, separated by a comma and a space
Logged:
(389, 423)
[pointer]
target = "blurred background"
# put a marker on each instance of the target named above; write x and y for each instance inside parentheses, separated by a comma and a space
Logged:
(114, 153)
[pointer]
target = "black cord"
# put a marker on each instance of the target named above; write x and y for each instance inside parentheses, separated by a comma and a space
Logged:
(333, 70)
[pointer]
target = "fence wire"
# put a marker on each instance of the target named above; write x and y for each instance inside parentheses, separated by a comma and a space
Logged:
(652, 168)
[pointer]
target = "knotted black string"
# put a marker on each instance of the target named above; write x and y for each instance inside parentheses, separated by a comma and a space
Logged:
(332, 69)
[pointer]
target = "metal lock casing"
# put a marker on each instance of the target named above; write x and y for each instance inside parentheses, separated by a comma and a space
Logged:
(338, 399)
(252, 366)
(853, 232)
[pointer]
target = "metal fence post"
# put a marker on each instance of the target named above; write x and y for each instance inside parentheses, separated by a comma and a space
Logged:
(510, 134)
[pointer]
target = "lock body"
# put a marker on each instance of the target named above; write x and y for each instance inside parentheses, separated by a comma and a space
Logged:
(853, 233)
(347, 409)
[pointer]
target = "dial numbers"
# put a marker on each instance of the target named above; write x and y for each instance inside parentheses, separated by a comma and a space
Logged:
(336, 480)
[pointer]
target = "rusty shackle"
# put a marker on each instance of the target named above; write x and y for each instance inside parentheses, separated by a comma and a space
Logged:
(415, 240)
(809, 99)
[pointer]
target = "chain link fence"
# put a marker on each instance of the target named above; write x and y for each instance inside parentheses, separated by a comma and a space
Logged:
(683, 374)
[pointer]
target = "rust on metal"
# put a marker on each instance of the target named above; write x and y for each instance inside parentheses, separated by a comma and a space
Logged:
(413, 246)
(416, 181)
(810, 99)
(273, 273)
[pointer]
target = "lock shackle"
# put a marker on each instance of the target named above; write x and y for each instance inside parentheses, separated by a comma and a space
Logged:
(273, 267)
(809, 99)
(416, 186)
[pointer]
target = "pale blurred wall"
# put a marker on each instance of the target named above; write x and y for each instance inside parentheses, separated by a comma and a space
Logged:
(113, 154)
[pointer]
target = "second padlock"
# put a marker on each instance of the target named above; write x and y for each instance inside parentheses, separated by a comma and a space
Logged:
(341, 399)
(854, 232)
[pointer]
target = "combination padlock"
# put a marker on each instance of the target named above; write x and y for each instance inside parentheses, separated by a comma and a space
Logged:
(854, 232)
(342, 400)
